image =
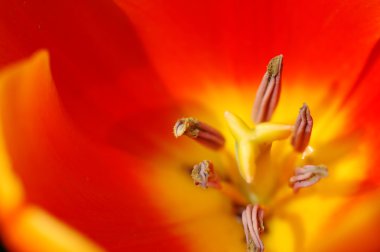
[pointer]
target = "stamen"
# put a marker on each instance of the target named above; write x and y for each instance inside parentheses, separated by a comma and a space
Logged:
(307, 176)
(252, 218)
(205, 176)
(200, 132)
(302, 129)
(268, 93)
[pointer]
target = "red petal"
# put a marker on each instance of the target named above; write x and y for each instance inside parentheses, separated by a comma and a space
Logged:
(212, 42)
(99, 66)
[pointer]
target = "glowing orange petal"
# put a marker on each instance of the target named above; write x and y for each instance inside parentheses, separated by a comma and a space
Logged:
(356, 221)
(33, 229)
(94, 188)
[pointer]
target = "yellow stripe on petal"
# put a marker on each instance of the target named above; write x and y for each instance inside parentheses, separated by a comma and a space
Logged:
(34, 229)
(25, 227)
(201, 218)
(11, 193)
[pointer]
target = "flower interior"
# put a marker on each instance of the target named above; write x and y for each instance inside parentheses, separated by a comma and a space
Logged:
(273, 161)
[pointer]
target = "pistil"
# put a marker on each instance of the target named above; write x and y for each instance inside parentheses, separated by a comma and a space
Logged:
(199, 131)
(251, 142)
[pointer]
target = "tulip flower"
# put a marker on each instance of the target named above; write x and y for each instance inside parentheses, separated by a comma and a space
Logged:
(274, 107)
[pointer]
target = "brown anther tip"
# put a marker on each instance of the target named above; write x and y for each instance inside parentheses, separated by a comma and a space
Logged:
(200, 132)
(302, 129)
(186, 126)
(268, 93)
(307, 176)
(204, 175)
(252, 219)
(274, 66)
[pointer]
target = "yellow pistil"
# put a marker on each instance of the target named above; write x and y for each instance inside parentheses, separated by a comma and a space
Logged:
(253, 141)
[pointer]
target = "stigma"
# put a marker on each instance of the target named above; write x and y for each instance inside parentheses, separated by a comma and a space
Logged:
(251, 142)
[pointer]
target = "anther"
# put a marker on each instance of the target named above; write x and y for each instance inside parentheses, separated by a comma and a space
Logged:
(200, 132)
(307, 176)
(252, 219)
(204, 175)
(302, 129)
(268, 93)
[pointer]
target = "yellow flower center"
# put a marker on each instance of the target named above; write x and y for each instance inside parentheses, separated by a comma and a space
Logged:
(253, 149)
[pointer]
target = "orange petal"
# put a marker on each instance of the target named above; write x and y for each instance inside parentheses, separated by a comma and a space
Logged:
(33, 229)
(357, 221)
(96, 189)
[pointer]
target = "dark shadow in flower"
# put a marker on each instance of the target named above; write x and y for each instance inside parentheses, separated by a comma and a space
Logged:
(2, 246)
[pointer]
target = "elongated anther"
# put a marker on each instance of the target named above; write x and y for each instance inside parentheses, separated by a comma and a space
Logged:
(307, 176)
(268, 93)
(302, 129)
(252, 219)
(199, 131)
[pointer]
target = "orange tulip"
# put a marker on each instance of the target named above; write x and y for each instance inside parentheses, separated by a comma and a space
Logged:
(90, 91)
